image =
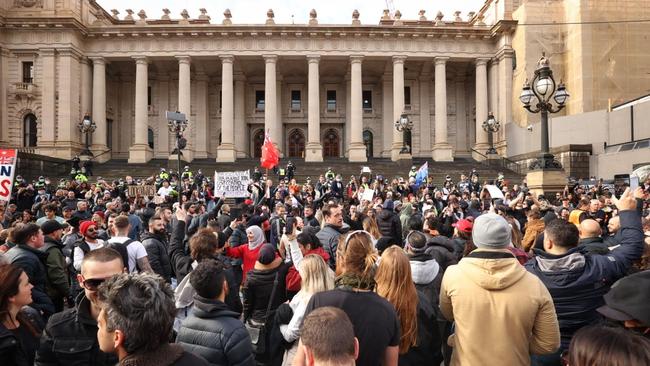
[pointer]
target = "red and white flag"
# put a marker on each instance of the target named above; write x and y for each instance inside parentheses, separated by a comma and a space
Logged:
(270, 154)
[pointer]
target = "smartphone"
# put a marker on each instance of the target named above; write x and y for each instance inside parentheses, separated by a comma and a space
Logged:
(634, 182)
(621, 181)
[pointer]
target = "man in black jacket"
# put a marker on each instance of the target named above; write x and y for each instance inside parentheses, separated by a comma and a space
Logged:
(213, 331)
(70, 337)
(58, 287)
(389, 223)
(26, 255)
(155, 243)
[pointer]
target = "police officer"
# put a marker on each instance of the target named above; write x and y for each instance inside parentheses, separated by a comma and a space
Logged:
(291, 170)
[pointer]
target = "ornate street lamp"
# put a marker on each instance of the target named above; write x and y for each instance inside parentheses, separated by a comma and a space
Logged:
(404, 125)
(177, 123)
(491, 126)
(536, 97)
(87, 127)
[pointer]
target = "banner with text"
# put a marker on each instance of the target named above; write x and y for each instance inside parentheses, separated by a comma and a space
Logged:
(233, 184)
(7, 173)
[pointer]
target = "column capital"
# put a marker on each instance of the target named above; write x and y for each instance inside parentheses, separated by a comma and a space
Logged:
(356, 59)
(482, 61)
(313, 59)
(70, 52)
(228, 59)
(97, 60)
(270, 59)
(505, 53)
(141, 60)
(399, 59)
(184, 59)
(440, 60)
(47, 52)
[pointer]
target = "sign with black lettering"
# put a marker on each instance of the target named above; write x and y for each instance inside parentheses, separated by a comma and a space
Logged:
(142, 191)
(7, 173)
(232, 184)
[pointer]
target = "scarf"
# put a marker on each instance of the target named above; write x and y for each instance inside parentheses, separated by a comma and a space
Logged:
(351, 281)
(258, 237)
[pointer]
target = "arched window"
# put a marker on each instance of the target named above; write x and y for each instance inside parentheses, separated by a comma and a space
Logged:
(331, 144)
(150, 137)
(29, 130)
(258, 141)
(296, 144)
(367, 140)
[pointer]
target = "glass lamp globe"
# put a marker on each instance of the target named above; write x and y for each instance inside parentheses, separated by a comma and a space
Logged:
(526, 95)
(544, 86)
(561, 95)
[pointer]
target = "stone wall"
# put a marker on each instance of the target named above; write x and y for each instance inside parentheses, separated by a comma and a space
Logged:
(574, 160)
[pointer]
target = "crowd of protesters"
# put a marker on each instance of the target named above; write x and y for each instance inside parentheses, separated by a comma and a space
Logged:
(312, 273)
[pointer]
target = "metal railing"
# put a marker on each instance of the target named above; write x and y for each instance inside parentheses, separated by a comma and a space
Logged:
(500, 162)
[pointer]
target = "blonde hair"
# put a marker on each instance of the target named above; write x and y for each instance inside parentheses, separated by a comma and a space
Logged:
(356, 254)
(316, 275)
(395, 284)
(370, 225)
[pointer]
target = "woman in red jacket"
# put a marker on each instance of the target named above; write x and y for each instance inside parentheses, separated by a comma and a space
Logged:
(305, 244)
(248, 253)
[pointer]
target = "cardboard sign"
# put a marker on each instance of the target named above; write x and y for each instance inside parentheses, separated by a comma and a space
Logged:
(494, 191)
(233, 184)
(142, 191)
(368, 194)
(7, 173)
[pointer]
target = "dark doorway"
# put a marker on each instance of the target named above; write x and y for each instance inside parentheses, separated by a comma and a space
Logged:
(30, 136)
(367, 140)
(296, 144)
(331, 144)
(258, 141)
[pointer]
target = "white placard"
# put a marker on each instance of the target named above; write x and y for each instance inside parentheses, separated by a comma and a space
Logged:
(368, 194)
(233, 184)
(494, 191)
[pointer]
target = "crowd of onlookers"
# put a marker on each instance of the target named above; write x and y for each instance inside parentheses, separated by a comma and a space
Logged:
(317, 273)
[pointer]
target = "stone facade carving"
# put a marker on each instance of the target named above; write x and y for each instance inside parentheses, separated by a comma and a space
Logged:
(312, 17)
(355, 17)
(269, 17)
(165, 15)
(226, 17)
(28, 3)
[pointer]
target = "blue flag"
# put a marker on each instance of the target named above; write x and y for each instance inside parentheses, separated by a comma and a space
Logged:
(422, 174)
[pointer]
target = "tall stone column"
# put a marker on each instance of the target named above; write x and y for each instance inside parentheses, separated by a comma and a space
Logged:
(442, 150)
(162, 103)
(140, 151)
(398, 107)
(270, 100)
(184, 104)
(69, 139)
(462, 142)
(357, 150)
(388, 125)
(279, 110)
(241, 128)
(48, 102)
(99, 107)
(4, 117)
(86, 86)
(481, 106)
(314, 149)
(425, 108)
(506, 101)
(226, 151)
(201, 116)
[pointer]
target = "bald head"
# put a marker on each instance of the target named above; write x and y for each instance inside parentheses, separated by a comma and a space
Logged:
(614, 224)
(589, 229)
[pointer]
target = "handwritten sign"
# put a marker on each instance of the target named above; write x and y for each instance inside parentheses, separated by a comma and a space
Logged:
(7, 173)
(494, 191)
(142, 191)
(233, 184)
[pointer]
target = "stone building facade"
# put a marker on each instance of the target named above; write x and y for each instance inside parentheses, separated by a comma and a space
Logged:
(320, 90)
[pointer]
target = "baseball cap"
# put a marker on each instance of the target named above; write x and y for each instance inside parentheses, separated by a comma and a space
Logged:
(50, 226)
(463, 225)
(628, 299)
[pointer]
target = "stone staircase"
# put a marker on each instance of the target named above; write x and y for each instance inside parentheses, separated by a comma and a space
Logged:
(114, 169)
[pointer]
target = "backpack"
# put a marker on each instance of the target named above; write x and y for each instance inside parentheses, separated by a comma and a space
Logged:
(122, 249)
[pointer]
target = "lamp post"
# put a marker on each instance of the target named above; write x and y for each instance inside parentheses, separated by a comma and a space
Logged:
(542, 89)
(177, 123)
(87, 127)
(491, 126)
(404, 124)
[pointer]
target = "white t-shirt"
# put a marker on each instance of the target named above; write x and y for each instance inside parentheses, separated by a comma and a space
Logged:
(135, 249)
(164, 192)
(79, 254)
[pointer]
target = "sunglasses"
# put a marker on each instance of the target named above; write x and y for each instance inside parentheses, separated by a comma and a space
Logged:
(90, 230)
(93, 283)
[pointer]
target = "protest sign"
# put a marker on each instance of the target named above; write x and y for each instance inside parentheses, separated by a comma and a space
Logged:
(142, 191)
(232, 184)
(7, 173)
(368, 194)
(494, 191)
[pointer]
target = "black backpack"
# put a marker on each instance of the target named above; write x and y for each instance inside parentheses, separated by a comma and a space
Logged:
(122, 249)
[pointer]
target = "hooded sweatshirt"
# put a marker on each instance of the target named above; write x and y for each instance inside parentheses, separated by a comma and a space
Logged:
(427, 276)
(492, 297)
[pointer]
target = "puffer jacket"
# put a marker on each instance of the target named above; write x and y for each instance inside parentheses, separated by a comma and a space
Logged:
(578, 280)
(491, 291)
(215, 333)
(257, 292)
(329, 238)
(389, 225)
(534, 227)
(157, 252)
(32, 261)
(443, 250)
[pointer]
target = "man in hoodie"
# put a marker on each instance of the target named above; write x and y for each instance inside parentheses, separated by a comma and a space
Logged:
(578, 280)
(389, 223)
(489, 290)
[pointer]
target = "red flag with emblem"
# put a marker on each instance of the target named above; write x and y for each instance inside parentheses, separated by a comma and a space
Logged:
(270, 154)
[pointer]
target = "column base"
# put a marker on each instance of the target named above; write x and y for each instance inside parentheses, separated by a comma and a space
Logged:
(313, 152)
(397, 152)
(442, 152)
(482, 148)
(139, 154)
(226, 153)
(546, 181)
(357, 152)
(101, 153)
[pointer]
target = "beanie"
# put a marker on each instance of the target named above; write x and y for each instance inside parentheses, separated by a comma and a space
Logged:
(83, 227)
(491, 231)
(388, 204)
(266, 254)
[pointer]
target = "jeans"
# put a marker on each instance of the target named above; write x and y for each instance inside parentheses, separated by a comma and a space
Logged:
(552, 359)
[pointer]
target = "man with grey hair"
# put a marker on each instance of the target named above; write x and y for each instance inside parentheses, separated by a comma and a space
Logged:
(136, 322)
(490, 290)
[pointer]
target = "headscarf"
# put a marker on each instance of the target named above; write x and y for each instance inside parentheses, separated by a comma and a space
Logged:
(258, 236)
